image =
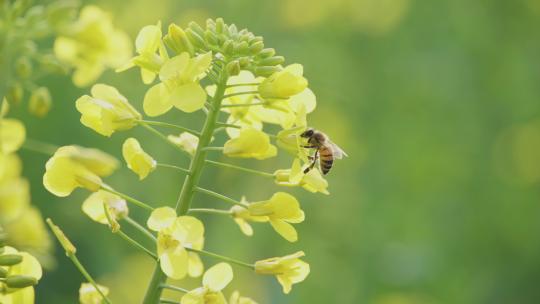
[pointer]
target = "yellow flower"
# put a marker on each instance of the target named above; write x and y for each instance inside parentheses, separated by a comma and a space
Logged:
(89, 295)
(12, 135)
(92, 44)
(313, 181)
(107, 111)
(245, 117)
(137, 160)
(10, 166)
(179, 85)
(215, 280)
(281, 209)
(28, 233)
(250, 143)
(28, 267)
(284, 84)
(175, 234)
(72, 167)
(242, 217)
(288, 270)
(237, 299)
(186, 141)
(93, 206)
(147, 44)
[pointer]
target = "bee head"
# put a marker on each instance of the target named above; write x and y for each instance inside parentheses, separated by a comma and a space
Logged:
(308, 133)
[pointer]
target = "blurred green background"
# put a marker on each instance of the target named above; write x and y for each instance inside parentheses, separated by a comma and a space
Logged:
(436, 102)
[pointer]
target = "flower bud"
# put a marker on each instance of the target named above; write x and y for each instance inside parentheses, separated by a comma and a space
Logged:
(40, 102)
(220, 25)
(255, 39)
(244, 62)
(210, 24)
(3, 272)
(228, 47)
(268, 52)
(10, 259)
(195, 27)
(210, 37)
(195, 38)
(233, 30)
(20, 281)
(15, 93)
(266, 71)
(256, 47)
(241, 48)
(233, 68)
(275, 60)
(177, 40)
(64, 241)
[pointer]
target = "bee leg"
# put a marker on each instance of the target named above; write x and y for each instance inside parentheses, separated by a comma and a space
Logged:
(313, 163)
(309, 147)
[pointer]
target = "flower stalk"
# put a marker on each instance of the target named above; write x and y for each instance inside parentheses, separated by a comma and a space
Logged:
(191, 181)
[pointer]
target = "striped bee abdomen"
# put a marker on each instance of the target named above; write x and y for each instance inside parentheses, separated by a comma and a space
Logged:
(327, 159)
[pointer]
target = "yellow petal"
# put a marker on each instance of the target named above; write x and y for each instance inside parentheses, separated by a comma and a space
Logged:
(29, 266)
(137, 160)
(188, 230)
(93, 206)
(63, 175)
(196, 296)
(174, 67)
(218, 277)
(174, 262)
(148, 39)
(161, 218)
(14, 199)
(189, 97)
(305, 98)
(157, 100)
(186, 141)
(12, 135)
(21, 296)
(195, 265)
(285, 229)
(250, 143)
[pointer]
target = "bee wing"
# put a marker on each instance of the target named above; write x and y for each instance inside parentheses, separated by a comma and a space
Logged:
(338, 152)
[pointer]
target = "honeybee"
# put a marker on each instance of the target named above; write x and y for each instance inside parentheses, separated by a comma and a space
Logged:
(325, 149)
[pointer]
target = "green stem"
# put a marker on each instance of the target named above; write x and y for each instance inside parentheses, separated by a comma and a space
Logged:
(138, 226)
(128, 198)
(175, 288)
(243, 84)
(219, 196)
(261, 103)
(172, 167)
(168, 301)
(209, 210)
(240, 93)
(228, 125)
(136, 244)
(165, 124)
(87, 276)
(153, 292)
(265, 174)
(161, 136)
(39, 147)
(224, 258)
(212, 149)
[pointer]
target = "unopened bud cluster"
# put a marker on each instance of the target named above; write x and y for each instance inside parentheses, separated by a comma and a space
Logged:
(241, 48)
(22, 24)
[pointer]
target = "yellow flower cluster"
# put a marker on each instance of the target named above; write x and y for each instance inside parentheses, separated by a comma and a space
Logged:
(91, 44)
(219, 70)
